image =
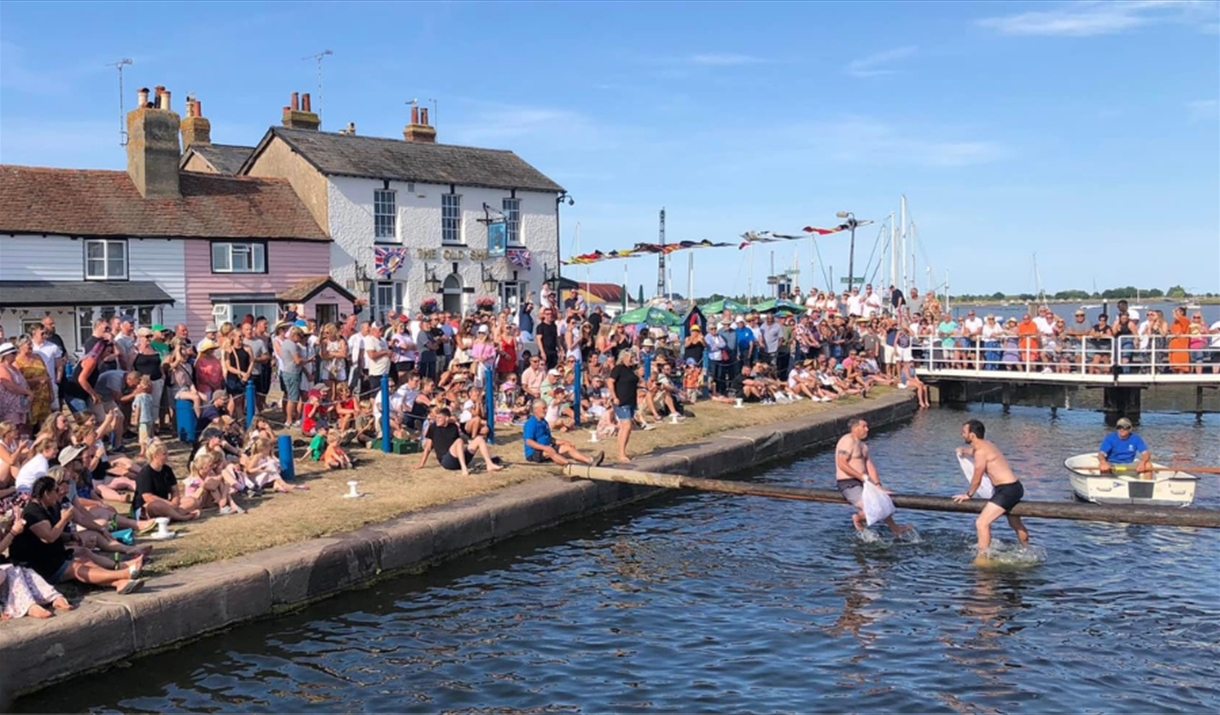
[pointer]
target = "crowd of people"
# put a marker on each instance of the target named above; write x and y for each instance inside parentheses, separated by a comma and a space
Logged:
(76, 435)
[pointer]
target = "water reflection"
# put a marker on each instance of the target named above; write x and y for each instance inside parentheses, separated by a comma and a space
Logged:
(715, 603)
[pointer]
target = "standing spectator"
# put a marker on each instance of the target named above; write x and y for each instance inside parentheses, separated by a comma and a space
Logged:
(147, 361)
(624, 384)
(376, 355)
(548, 339)
(402, 345)
(292, 355)
(237, 368)
(15, 394)
(427, 343)
(52, 355)
(260, 358)
(209, 375)
(37, 379)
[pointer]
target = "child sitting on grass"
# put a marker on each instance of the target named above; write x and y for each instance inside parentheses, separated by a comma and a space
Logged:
(314, 415)
(335, 457)
(262, 468)
(366, 426)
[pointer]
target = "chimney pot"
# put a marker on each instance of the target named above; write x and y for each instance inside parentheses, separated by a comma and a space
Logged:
(423, 116)
(305, 103)
(143, 97)
(414, 114)
(296, 102)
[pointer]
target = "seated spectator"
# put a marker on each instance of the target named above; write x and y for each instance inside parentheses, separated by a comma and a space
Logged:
(47, 546)
(157, 492)
(209, 485)
(541, 447)
(22, 591)
(445, 438)
(335, 457)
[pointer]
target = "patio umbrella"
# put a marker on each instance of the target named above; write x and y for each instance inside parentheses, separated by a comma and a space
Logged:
(719, 306)
(653, 317)
(786, 307)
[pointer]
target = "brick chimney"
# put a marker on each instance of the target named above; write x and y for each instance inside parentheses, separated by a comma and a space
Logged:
(152, 146)
(298, 115)
(419, 130)
(196, 129)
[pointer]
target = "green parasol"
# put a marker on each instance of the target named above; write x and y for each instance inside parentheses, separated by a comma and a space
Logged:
(654, 317)
(719, 306)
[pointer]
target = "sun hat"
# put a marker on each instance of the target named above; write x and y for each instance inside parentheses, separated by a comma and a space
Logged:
(206, 344)
(482, 328)
(6, 348)
(69, 453)
(210, 328)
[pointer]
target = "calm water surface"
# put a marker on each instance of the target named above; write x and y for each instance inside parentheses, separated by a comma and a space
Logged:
(720, 603)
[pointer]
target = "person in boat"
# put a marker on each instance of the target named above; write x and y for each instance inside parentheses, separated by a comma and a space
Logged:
(1124, 448)
(854, 464)
(1007, 489)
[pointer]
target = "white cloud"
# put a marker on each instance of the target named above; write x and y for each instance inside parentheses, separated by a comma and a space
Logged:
(724, 59)
(499, 124)
(1091, 18)
(1204, 110)
(880, 63)
(868, 141)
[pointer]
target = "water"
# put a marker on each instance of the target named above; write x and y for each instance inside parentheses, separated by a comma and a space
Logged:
(721, 603)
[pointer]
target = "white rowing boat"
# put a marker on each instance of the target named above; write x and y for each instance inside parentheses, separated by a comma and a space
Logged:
(1162, 487)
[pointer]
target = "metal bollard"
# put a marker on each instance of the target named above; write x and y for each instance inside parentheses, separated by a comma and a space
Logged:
(647, 365)
(576, 388)
(489, 396)
(250, 403)
(288, 469)
(385, 413)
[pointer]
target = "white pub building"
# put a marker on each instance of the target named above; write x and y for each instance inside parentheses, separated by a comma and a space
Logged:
(410, 218)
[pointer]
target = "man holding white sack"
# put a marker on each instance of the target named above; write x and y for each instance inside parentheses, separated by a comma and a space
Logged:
(1006, 488)
(854, 465)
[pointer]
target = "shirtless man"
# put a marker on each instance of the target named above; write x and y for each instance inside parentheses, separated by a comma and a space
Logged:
(1008, 490)
(853, 465)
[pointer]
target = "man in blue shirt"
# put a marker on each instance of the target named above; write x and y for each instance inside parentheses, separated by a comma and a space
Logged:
(540, 447)
(1124, 448)
(746, 343)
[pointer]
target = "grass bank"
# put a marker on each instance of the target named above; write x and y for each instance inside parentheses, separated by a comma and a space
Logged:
(394, 487)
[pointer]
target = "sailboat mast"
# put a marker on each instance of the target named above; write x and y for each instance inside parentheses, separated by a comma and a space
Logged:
(903, 249)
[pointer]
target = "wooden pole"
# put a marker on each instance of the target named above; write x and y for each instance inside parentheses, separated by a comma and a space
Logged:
(1168, 516)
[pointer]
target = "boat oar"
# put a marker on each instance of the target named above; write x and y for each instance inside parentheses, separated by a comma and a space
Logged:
(1188, 468)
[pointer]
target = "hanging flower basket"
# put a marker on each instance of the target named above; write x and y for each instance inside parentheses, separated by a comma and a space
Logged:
(428, 306)
(485, 303)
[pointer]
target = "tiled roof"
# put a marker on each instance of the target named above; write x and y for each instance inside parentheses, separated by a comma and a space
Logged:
(87, 202)
(48, 293)
(306, 288)
(224, 158)
(399, 160)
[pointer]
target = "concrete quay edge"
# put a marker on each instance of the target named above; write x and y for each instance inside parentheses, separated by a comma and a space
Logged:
(191, 603)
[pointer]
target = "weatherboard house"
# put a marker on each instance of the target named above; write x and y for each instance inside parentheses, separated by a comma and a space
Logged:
(156, 241)
(411, 218)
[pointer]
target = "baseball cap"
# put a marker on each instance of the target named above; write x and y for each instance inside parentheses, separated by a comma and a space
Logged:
(128, 319)
(158, 328)
(210, 328)
(1123, 423)
(482, 329)
(555, 373)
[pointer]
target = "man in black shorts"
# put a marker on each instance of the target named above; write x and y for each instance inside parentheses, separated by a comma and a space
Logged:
(445, 437)
(1008, 490)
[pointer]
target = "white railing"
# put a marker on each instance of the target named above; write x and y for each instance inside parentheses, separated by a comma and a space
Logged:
(1105, 358)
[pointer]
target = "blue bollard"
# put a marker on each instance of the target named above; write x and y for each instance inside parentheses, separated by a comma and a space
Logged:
(489, 388)
(385, 413)
(577, 386)
(250, 403)
(489, 398)
(706, 391)
(187, 423)
(647, 365)
(288, 470)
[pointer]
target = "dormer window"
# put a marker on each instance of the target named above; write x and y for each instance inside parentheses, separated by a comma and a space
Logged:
(106, 260)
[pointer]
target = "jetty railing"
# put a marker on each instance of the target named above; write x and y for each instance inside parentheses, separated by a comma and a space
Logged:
(1126, 358)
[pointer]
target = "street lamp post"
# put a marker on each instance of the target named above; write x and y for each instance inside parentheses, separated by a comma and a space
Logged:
(851, 256)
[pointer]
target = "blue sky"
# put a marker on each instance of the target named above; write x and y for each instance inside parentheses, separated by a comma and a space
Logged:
(1087, 133)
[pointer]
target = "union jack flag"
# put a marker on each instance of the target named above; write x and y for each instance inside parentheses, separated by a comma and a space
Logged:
(388, 260)
(520, 257)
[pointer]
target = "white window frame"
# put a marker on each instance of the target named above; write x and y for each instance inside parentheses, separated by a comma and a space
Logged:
(511, 208)
(108, 247)
(385, 215)
(398, 298)
(270, 311)
(451, 220)
(255, 250)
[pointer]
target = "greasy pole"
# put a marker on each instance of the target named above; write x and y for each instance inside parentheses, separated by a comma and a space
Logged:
(1166, 516)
